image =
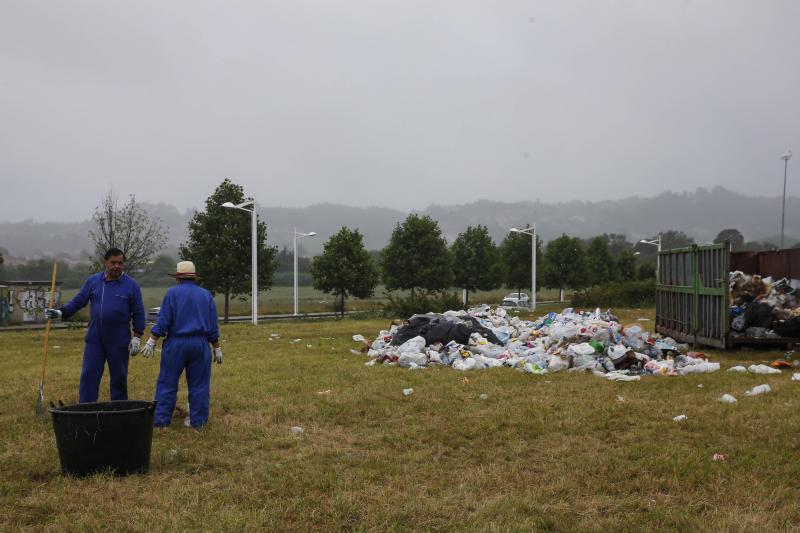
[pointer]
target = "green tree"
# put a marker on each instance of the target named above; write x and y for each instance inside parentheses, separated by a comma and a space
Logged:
(417, 257)
(600, 266)
(617, 243)
(565, 263)
(733, 236)
(515, 256)
(626, 265)
(219, 245)
(345, 267)
(647, 270)
(476, 264)
(155, 273)
(129, 228)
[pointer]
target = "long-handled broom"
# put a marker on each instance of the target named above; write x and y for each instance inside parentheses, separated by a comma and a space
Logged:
(40, 395)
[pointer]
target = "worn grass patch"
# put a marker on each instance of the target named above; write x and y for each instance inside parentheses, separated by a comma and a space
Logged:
(557, 452)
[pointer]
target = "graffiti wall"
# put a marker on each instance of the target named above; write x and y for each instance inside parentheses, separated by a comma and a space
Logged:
(28, 302)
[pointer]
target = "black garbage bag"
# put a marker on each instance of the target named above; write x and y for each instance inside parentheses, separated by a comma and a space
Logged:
(439, 328)
(758, 315)
(788, 328)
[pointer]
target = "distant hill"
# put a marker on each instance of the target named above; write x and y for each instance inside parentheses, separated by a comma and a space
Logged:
(700, 214)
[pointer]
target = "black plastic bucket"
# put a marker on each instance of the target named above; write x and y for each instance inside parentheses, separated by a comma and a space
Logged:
(104, 436)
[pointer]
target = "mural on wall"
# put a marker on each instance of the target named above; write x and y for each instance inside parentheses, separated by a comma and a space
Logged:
(33, 301)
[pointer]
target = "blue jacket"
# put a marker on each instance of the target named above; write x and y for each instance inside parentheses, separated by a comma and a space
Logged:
(114, 304)
(187, 310)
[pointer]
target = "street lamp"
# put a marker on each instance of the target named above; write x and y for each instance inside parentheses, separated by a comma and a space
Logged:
(532, 232)
(254, 252)
(786, 157)
(298, 235)
(655, 242)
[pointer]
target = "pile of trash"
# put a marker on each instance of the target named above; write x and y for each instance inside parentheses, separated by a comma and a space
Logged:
(763, 308)
(485, 337)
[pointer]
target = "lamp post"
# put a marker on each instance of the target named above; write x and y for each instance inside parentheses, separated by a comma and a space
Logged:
(532, 232)
(655, 242)
(298, 235)
(786, 157)
(254, 252)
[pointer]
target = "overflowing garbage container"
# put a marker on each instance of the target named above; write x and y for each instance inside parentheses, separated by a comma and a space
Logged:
(707, 295)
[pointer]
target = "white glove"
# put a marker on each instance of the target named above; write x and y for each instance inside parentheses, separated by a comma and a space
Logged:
(52, 314)
(149, 347)
(133, 347)
(218, 355)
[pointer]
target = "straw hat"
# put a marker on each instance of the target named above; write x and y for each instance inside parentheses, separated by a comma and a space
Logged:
(185, 269)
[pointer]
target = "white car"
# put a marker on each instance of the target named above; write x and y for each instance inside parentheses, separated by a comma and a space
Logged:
(515, 299)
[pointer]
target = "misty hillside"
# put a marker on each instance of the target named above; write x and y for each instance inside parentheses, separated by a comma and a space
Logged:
(700, 214)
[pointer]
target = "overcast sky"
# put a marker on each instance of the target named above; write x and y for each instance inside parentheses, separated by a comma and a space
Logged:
(392, 103)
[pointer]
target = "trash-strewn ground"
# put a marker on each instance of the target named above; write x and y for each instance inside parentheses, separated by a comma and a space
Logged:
(571, 340)
(490, 450)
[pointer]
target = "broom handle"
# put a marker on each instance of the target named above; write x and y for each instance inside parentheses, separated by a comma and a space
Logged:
(47, 328)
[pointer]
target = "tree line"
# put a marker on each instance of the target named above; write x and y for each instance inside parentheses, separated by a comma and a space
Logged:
(417, 259)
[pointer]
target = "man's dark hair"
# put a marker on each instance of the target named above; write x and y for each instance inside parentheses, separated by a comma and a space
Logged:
(114, 251)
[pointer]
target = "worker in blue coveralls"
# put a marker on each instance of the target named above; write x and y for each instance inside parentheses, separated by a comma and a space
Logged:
(188, 319)
(116, 300)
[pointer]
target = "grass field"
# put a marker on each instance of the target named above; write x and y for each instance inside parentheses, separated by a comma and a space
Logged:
(279, 300)
(553, 452)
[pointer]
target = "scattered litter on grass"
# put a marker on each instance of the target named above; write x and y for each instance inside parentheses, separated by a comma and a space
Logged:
(297, 430)
(56, 347)
(295, 341)
(273, 335)
(308, 346)
(574, 341)
(484, 396)
(761, 389)
(643, 319)
(325, 391)
(408, 392)
(371, 362)
(700, 386)
(719, 457)
(679, 418)
(620, 399)
(762, 369)
(727, 398)
(355, 352)
(738, 368)
(796, 376)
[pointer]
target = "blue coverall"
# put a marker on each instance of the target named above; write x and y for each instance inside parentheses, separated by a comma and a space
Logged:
(188, 319)
(113, 304)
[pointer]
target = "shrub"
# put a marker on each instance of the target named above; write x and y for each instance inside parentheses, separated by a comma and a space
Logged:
(400, 306)
(619, 294)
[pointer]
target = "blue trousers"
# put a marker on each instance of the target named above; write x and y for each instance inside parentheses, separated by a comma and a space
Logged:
(192, 354)
(95, 355)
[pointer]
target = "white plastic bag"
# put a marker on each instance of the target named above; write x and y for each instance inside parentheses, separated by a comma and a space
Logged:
(465, 364)
(699, 368)
(727, 398)
(415, 345)
(761, 389)
(762, 369)
(407, 359)
(738, 368)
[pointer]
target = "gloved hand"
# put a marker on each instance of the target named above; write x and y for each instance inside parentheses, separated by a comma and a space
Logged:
(52, 314)
(133, 347)
(218, 355)
(149, 347)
